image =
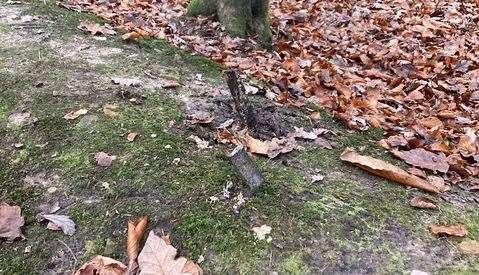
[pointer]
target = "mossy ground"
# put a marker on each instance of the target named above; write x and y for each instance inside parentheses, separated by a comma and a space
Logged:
(350, 223)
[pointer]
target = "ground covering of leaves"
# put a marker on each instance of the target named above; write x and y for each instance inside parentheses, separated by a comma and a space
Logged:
(409, 67)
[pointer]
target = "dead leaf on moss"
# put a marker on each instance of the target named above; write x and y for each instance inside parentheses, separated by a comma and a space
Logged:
(470, 247)
(103, 159)
(200, 143)
(388, 171)
(170, 84)
(11, 221)
(160, 257)
(100, 265)
(110, 110)
(450, 230)
(75, 114)
(60, 222)
(422, 202)
(131, 136)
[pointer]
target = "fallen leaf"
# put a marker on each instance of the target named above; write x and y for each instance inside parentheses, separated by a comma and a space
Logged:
(317, 178)
(388, 171)
(200, 117)
(75, 114)
(469, 247)
(100, 265)
(95, 28)
(422, 202)
(451, 230)
(250, 89)
(301, 133)
(103, 159)
(11, 221)
(170, 84)
(131, 136)
(202, 144)
(131, 36)
(159, 257)
(60, 222)
(262, 231)
(123, 81)
(110, 110)
(424, 159)
(136, 231)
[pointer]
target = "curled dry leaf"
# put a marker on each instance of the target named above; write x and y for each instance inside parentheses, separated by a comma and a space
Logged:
(131, 136)
(159, 257)
(75, 114)
(11, 221)
(450, 230)
(136, 230)
(60, 222)
(388, 171)
(103, 159)
(102, 266)
(131, 36)
(422, 202)
(469, 247)
(424, 159)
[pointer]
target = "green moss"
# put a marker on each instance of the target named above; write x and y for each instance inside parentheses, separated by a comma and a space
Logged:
(294, 265)
(201, 7)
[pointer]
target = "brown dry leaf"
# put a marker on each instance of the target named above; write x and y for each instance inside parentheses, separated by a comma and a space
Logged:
(450, 230)
(11, 221)
(388, 171)
(103, 159)
(159, 257)
(200, 117)
(100, 265)
(281, 146)
(170, 84)
(95, 28)
(131, 136)
(422, 202)
(75, 114)
(257, 146)
(469, 247)
(136, 230)
(131, 36)
(424, 159)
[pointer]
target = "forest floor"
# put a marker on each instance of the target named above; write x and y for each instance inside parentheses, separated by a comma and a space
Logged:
(347, 223)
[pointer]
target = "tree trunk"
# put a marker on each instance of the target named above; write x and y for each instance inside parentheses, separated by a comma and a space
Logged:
(239, 17)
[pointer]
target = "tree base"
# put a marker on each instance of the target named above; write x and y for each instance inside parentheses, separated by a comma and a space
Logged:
(239, 17)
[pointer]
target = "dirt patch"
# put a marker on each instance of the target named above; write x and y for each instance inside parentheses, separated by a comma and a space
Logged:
(80, 48)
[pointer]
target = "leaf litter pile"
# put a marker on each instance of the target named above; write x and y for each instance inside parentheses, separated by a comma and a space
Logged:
(408, 67)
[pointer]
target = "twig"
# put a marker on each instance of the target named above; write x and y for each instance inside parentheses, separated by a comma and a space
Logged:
(71, 252)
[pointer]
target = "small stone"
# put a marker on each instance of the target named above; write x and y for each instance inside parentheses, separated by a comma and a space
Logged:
(201, 259)
(153, 135)
(28, 249)
(167, 146)
(51, 190)
(176, 161)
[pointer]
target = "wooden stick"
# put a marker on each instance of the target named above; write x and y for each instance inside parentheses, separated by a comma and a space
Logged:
(246, 167)
(241, 105)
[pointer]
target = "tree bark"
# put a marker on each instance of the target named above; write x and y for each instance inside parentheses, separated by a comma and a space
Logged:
(239, 17)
